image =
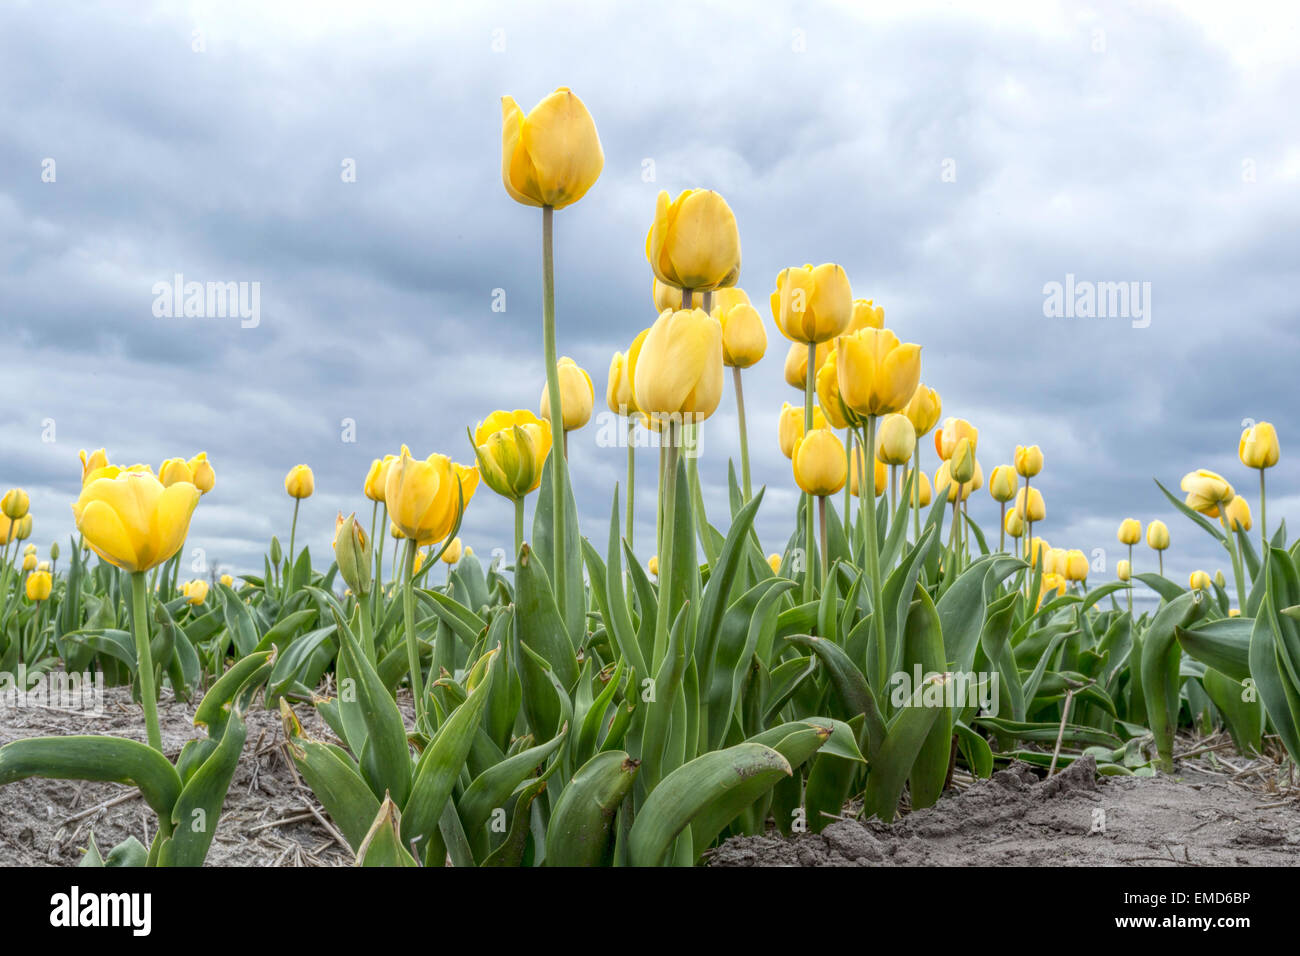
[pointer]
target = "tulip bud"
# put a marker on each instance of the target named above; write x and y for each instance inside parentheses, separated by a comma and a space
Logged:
(1130, 531)
(205, 479)
(878, 374)
(1037, 507)
(819, 463)
(1002, 483)
(923, 409)
(1239, 514)
(39, 586)
(277, 554)
(895, 440)
(1014, 524)
(453, 552)
(653, 565)
(744, 340)
(299, 482)
(866, 315)
(952, 432)
(577, 395)
(23, 527)
(679, 370)
(1258, 447)
(796, 363)
(196, 591)
(1199, 581)
(353, 553)
(552, 156)
(511, 448)
(14, 504)
(774, 562)
(29, 562)
(54, 550)
(29, 549)
(1219, 579)
(227, 580)
(789, 426)
(962, 463)
(1157, 536)
(1028, 460)
(1206, 490)
(1076, 565)
(693, 242)
(1123, 570)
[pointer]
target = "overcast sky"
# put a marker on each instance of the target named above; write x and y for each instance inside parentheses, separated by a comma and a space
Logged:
(954, 158)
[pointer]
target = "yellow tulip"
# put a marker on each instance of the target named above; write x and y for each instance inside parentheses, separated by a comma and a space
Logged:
(1199, 581)
(511, 448)
(789, 426)
(577, 395)
(895, 440)
(29, 562)
(693, 242)
(23, 527)
(1206, 490)
(925, 494)
(1123, 570)
(923, 409)
(43, 566)
(819, 463)
(827, 384)
(395, 531)
(774, 562)
(1054, 561)
(866, 316)
(205, 479)
(879, 474)
(1258, 447)
(667, 296)
(945, 485)
(744, 340)
(1238, 512)
(1157, 536)
(878, 375)
(134, 522)
(812, 304)
(422, 495)
(796, 363)
(679, 370)
(39, 586)
(961, 464)
(1038, 547)
(1037, 506)
(1002, 483)
(1076, 565)
(29, 549)
(1130, 531)
(227, 580)
(1051, 582)
(352, 553)
(7, 529)
(176, 469)
(299, 482)
(1014, 524)
(618, 393)
(418, 563)
(14, 504)
(653, 565)
(453, 552)
(196, 591)
(376, 476)
(552, 156)
(1029, 460)
(952, 432)
(91, 463)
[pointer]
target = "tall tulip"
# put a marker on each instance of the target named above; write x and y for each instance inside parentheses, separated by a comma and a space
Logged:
(511, 448)
(819, 471)
(922, 410)
(621, 399)
(1129, 534)
(1259, 449)
(1158, 541)
(577, 397)
(550, 158)
(744, 342)
(694, 243)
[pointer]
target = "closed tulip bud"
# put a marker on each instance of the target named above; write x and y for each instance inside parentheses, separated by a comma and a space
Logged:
(54, 550)
(23, 527)
(671, 297)
(878, 374)
(577, 396)
(774, 562)
(1029, 460)
(866, 315)
(426, 497)
(1219, 579)
(1258, 447)
(878, 474)
(812, 304)
(376, 476)
(1037, 510)
(511, 448)
(819, 463)
(923, 409)
(1199, 581)
(227, 580)
(353, 554)
(1076, 565)
(91, 463)
(945, 485)
(132, 521)
(196, 591)
(418, 563)
(618, 391)
(277, 553)
(29, 549)
(43, 566)
(1130, 531)
(923, 493)
(790, 426)
(552, 156)
(29, 562)
(453, 552)
(744, 340)
(299, 482)
(1054, 560)
(15, 503)
(1239, 514)
(1206, 490)
(693, 242)
(679, 370)
(1014, 524)
(1157, 536)
(952, 432)
(173, 470)
(39, 586)
(653, 565)
(205, 479)
(895, 440)
(1002, 483)
(962, 463)
(796, 363)
(1123, 570)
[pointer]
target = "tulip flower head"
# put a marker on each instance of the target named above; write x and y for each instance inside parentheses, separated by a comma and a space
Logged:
(132, 520)
(1123, 569)
(774, 562)
(577, 396)
(923, 409)
(945, 485)
(694, 242)
(1002, 483)
(744, 340)
(205, 478)
(39, 586)
(552, 155)
(866, 315)
(1238, 514)
(618, 393)
(1199, 581)
(1014, 525)
(790, 426)
(1258, 447)
(175, 469)
(671, 297)
(895, 440)
(1037, 509)
(961, 465)
(1206, 490)
(227, 580)
(878, 374)
(196, 591)
(299, 482)
(1130, 531)
(653, 565)
(1157, 536)
(827, 384)
(819, 463)
(375, 477)
(1051, 583)
(511, 448)
(812, 305)
(678, 374)
(29, 562)
(1037, 550)
(453, 552)
(426, 497)
(1076, 565)
(796, 363)
(14, 504)
(1028, 460)
(923, 494)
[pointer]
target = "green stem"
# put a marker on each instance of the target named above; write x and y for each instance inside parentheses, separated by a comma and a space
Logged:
(631, 481)
(143, 657)
(808, 499)
(519, 526)
(367, 627)
(916, 493)
(873, 562)
(1235, 552)
(1263, 517)
(821, 519)
(559, 466)
(412, 646)
(1130, 574)
(1002, 529)
(745, 485)
(848, 486)
(662, 622)
(377, 547)
(293, 533)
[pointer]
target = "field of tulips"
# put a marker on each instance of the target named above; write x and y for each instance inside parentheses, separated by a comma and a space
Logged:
(574, 705)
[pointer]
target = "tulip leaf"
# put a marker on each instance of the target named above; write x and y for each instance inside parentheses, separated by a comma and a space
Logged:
(538, 624)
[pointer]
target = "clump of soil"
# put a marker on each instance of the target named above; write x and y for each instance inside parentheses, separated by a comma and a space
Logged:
(1074, 818)
(270, 817)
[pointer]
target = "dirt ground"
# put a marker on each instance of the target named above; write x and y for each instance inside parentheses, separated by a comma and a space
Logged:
(1216, 809)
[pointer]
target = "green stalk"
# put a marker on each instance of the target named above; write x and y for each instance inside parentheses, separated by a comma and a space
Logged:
(367, 627)
(669, 509)
(1130, 574)
(916, 494)
(873, 561)
(559, 466)
(744, 436)
(144, 659)
(1002, 529)
(293, 532)
(1235, 552)
(519, 526)
(631, 480)
(821, 518)
(848, 485)
(378, 547)
(412, 646)
(808, 499)
(1263, 516)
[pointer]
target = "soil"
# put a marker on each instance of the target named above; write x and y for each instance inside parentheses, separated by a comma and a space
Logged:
(1197, 816)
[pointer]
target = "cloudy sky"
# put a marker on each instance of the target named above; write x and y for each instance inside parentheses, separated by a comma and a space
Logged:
(955, 158)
